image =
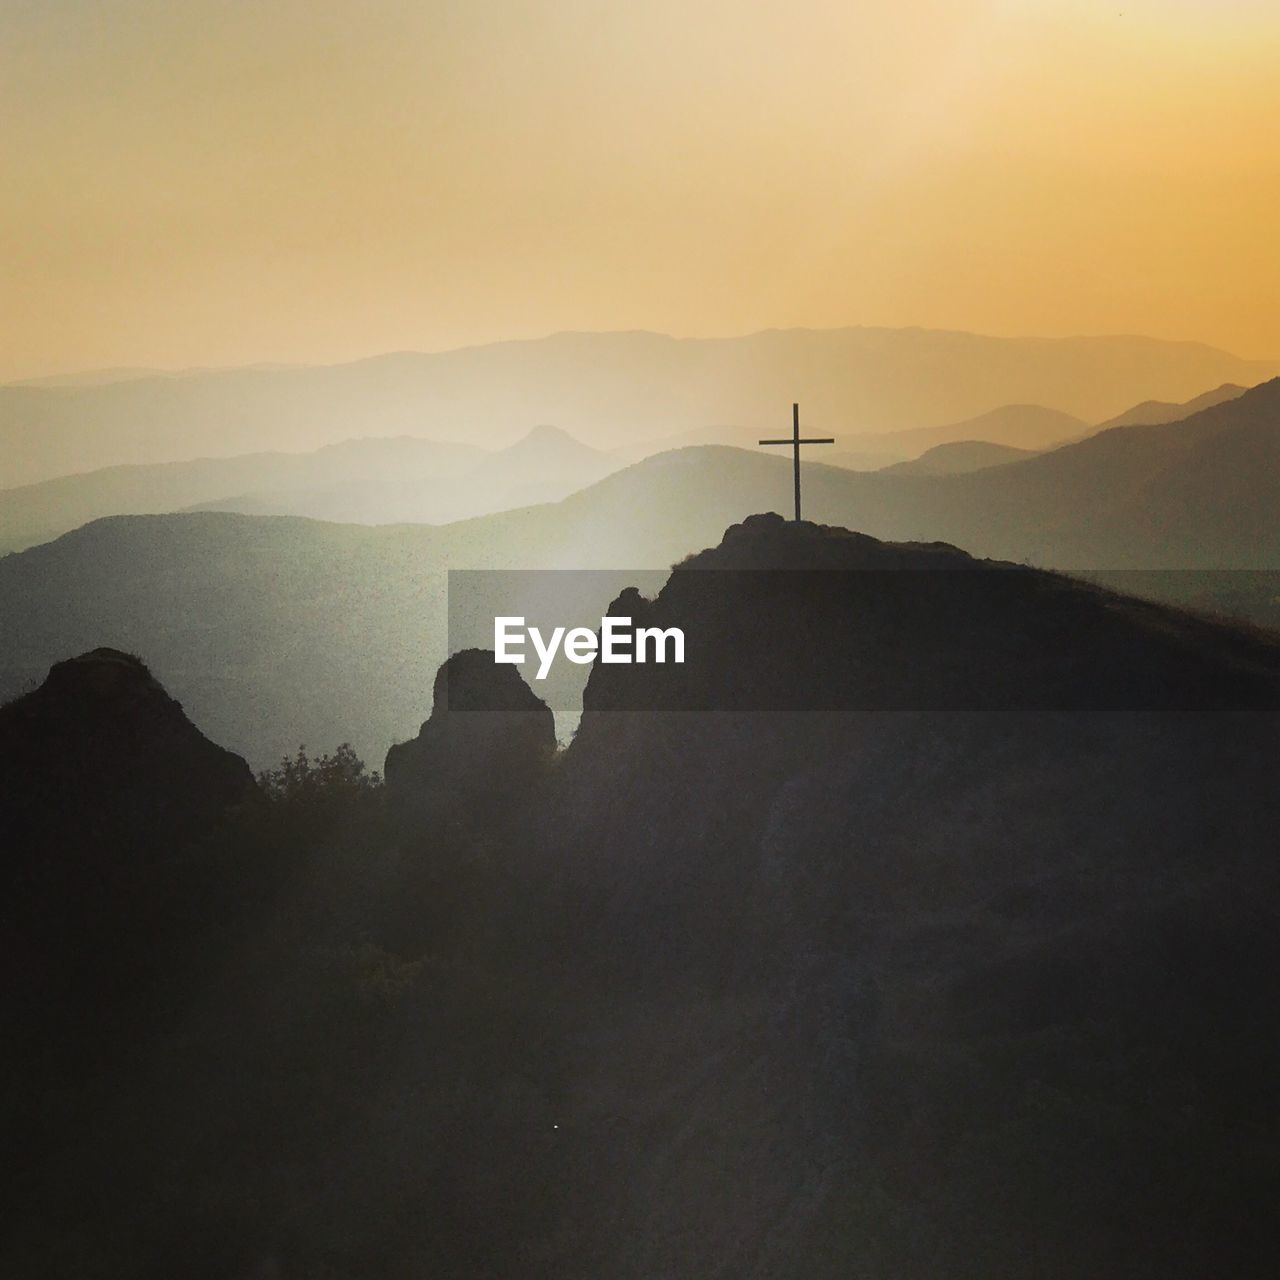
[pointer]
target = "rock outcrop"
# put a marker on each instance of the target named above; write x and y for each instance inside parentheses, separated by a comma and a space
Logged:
(110, 801)
(488, 741)
(100, 759)
(794, 617)
(964, 877)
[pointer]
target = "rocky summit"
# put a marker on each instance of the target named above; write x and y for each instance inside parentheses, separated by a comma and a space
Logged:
(101, 753)
(488, 741)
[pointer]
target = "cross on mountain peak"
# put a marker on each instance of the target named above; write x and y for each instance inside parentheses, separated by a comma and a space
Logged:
(795, 442)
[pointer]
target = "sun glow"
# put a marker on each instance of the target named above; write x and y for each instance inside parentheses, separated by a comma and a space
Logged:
(200, 183)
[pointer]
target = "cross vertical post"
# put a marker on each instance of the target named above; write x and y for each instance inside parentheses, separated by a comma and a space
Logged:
(795, 442)
(795, 453)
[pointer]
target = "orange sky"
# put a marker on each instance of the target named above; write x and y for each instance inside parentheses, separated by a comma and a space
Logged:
(228, 181)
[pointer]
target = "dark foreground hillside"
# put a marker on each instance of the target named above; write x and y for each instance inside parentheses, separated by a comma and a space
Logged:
(965, 969)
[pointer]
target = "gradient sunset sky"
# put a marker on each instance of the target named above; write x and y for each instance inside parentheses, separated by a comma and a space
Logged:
(192, 182)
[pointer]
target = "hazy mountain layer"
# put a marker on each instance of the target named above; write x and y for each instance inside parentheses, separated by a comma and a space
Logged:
(960, 457)
(545, 466)
(610, 389)
(375, 481)
(1151, 413)
(1187, 495)
(1020, 426)
(1027, 426)
(276, 631)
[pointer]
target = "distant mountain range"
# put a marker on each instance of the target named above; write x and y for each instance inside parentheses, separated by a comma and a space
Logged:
(1025, 426)
(373, 481)
(960, 456)
(546, 465)
(275, 630)
(611, 389)
(1029, 428)
(1004, 434)
(1188, 495)
(1151, 413)
(409, 479)
(1020, 426)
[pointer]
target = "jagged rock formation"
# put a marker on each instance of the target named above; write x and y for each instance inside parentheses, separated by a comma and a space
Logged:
(488, 740)
(101, 758)
(108, 792)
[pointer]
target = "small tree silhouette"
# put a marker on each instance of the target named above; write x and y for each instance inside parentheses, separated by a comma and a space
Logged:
(299, 778)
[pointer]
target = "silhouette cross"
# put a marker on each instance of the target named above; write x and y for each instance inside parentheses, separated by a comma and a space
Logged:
(795, 442)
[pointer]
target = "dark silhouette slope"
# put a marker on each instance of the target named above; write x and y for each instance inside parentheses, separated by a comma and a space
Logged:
(107, 787)
(940, 972)
(972, 977)
(921, 627)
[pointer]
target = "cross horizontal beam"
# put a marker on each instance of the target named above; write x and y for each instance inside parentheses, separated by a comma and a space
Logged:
(802, 440)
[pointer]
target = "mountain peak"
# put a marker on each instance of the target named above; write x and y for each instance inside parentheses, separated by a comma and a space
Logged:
(547, 436)
(489, 735)
(102, 671)
(1265, 392)
(921, 626)
(100, 750)
(1158, 412)
(768, 541)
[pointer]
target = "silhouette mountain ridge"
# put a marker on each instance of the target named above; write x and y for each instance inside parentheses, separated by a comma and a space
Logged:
(1195, 495)
(918, 626)
(794, 985)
